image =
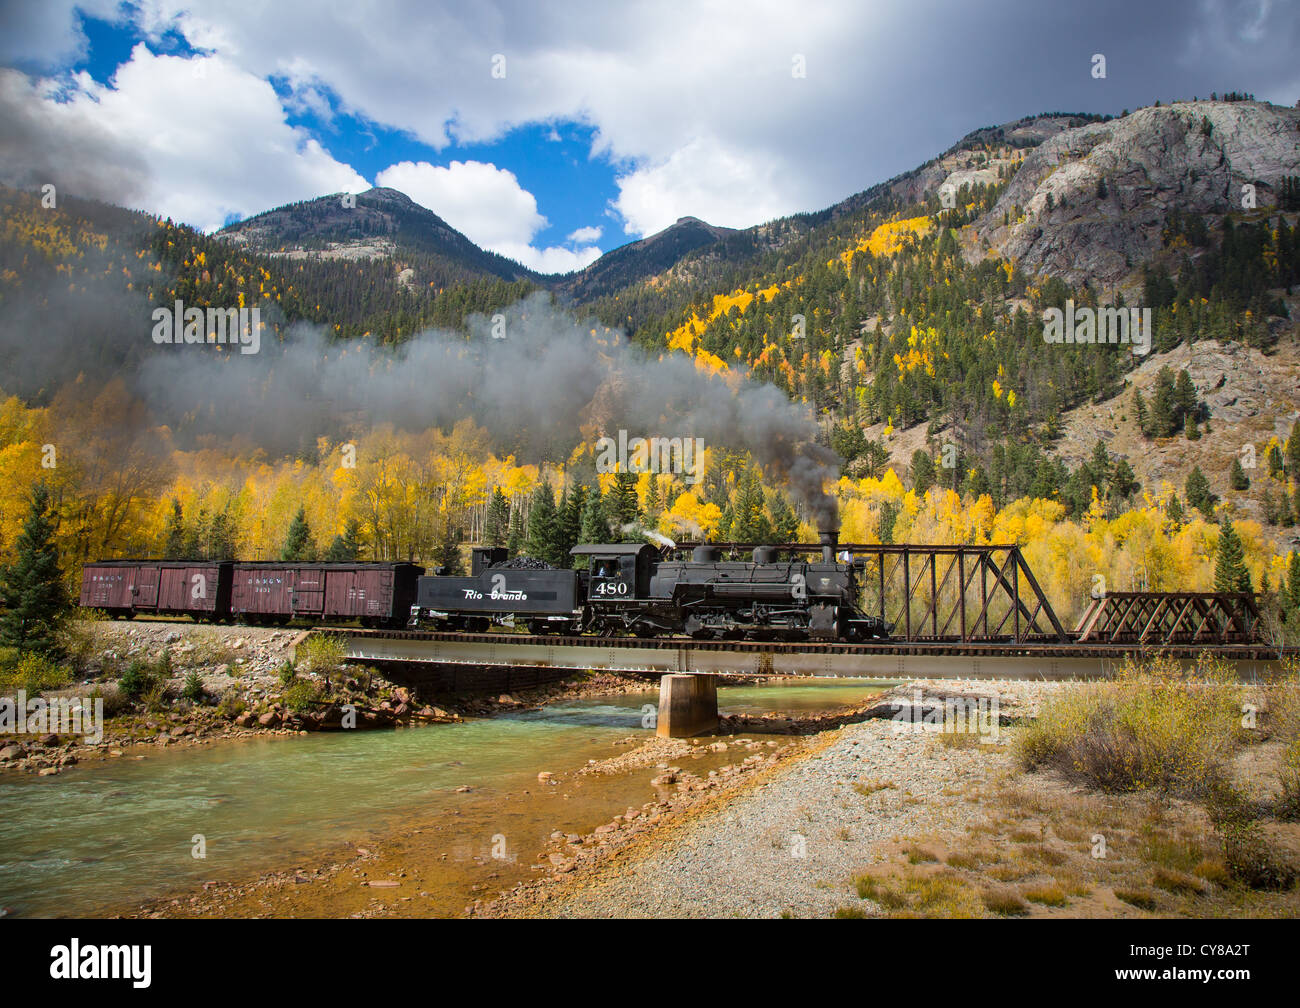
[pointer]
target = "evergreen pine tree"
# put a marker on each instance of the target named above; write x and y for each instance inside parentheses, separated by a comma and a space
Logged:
(515, 537)
(570, 519)
(298, 545)
(1164, 417)
(32, 588)
(174, 534)
(785, 523)
(543, 526)
(1286, 514)
(345, 547)
(1123, 482)
(1292, 590)
(1230, 574)
(594, 529)
(1185, 400)
(1269, 506)
(1237, 476)
(922, 471)
(621, 506)
(1143, 415)
(450, 560)
(496, 524)
(1175, 510)
(1293, 451)
(1198, 492)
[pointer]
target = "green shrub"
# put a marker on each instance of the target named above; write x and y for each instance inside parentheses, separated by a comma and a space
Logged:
(232, 704)
(114, 701)
(288, 673)
(323, 653)
(77, 642)
(193, 688)
(300, 697)
(155, 695)
(34, 674)
(1153, 727)
(136, 680)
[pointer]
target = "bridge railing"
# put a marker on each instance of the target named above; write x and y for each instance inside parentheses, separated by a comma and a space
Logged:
(945, 593)
(1155, 618)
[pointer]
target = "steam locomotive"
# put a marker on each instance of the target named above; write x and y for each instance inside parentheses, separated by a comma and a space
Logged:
(635, 589)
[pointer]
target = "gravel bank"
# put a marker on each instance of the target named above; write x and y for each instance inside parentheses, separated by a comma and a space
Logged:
(789, 840)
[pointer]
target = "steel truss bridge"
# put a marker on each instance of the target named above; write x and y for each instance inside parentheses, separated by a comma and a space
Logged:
(959, 612)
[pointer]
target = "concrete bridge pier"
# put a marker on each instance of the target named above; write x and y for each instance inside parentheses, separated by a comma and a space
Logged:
(688, 705)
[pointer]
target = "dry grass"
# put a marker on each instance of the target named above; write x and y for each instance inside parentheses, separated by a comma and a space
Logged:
(1005, 902)
(920, 855)
(1155, 798)
(1177, 882)
(1049, 895)
(1143, 899)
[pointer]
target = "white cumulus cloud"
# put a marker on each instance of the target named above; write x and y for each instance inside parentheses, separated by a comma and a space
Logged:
(489, 206)
(585, 236)
(207, 140)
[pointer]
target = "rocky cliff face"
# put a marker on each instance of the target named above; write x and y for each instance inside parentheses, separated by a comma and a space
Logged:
(1112, 185)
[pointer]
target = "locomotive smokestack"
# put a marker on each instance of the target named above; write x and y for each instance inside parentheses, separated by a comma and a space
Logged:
(829, 538)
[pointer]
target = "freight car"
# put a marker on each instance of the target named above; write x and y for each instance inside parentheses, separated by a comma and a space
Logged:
(376, 594)
(122, 588)
(633, 589)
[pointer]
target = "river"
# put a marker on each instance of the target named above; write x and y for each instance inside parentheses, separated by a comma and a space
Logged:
(113, 834)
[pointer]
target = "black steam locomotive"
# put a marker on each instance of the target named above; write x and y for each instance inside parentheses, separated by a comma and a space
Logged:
(636, 590)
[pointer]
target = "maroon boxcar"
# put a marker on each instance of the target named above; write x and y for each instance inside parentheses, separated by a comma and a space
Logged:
(376, 594)
(123, 588)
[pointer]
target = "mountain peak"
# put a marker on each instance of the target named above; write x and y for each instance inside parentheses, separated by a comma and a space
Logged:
(377, 223)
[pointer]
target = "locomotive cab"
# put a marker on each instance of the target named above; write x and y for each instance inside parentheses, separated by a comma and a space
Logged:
(617, 572)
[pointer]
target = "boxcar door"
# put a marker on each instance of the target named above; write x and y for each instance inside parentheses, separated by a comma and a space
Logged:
(309, 591)
(174, 589)
(144, 593)
(341, 592)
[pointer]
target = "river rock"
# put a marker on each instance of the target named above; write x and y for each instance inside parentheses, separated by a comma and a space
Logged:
(269, 720)
(49, 740)
(11, 752)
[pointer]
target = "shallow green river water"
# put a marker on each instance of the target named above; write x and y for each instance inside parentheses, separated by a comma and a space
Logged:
(107, 834)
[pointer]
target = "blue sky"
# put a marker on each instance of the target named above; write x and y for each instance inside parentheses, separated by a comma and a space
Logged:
(604, 123)
(552, 160)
